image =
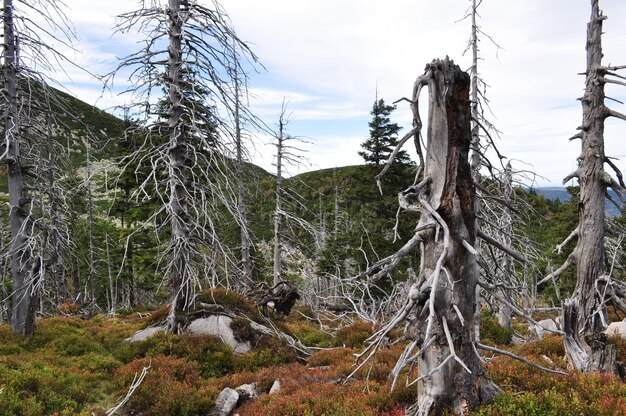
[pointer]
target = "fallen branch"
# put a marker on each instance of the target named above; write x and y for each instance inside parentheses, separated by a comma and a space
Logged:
(137, 380)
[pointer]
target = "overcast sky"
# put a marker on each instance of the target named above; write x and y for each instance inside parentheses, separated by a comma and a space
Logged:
(327, 57)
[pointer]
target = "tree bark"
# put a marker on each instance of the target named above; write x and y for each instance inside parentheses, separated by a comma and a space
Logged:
(278, 212)
(24, 290)
(475, 145)
(450, 372)
(589, 305)
(504, 310)
(246, 259)
(177, 173)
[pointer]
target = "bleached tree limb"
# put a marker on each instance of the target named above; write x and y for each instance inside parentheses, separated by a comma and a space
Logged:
(570, 237)
(519, 358)
(137, 380)
(517, 256)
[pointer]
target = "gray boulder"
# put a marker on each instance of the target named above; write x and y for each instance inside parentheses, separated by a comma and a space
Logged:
(545, 326)
(225, 403)
(247, 392)
(219, 326)
(275, 387)
(144, 334)
(617, 329)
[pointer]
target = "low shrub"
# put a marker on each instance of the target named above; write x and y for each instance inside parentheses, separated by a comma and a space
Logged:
(172, 387)
(551, 345)
(231, 300)
(74, 345)
(312, 336)
(354, 335)
(331, 357)
(322, 399)
(491, 331)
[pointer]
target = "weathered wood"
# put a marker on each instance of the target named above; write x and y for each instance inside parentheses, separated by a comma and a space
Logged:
(244, 229)
(24, 295)
(278, 211)
(590, 353)
(450, 371)
(584, 316)
(179, 274)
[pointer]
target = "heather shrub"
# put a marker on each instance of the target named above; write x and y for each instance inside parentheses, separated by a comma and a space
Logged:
(530, 391)
(551, 345)
(331, 357)
(354, 335)
(230, 300)
(42, 387)
(73, 345)
(158, 316)
(210, 354)
(311, 336)
(323, 399)
(172, 387)
(491, 332)
(264, 357)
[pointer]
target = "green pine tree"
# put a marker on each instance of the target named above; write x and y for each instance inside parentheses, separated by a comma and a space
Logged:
(383, 136)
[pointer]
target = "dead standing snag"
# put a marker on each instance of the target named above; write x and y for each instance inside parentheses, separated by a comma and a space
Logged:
(584, 315)
(441, 304)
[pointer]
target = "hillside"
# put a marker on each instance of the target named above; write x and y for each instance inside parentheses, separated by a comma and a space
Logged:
(338, 224)
(561, 194)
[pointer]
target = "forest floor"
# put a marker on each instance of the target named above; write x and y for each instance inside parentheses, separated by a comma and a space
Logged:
(75, 366)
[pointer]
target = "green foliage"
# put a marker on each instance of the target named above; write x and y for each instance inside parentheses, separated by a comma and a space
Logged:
(312, 336)
(593, 395)
(492, 332)
(325, 399)
(172, 387)
(354, 335)
(383, 136)
(232, 301)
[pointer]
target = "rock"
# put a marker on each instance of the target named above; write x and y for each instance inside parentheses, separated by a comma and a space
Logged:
(545, 324)
(617, 329)
(219, 326)
(247, 392)
(275, 387)
(144, 334)
(225, 403)
(515, 340)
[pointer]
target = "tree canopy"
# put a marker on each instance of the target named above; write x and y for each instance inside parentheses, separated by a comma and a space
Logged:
(383, 136)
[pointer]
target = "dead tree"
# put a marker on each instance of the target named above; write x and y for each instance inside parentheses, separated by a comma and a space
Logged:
(440, 308)
(584, 314)
(195, 68)
(27, 148)
(278, 210)
(22, 262)
(244, 228)
(480, 147)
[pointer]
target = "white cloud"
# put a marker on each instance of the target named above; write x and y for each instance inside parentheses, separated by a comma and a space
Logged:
(326, 57)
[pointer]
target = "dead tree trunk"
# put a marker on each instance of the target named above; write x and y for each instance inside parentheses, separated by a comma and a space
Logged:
(92, 261)
(24, 292)
(450, 372)
(584, 342)
(506, 224)
(475, 145)
(246, 259)
(177, 172)
(278, 212)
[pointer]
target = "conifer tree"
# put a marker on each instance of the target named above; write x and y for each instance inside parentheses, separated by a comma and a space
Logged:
(383, 136)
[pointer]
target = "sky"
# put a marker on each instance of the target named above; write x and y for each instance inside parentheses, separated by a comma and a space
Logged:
(329, 58)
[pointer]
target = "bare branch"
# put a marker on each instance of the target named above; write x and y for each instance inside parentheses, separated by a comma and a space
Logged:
(517, 256)
(519, 358)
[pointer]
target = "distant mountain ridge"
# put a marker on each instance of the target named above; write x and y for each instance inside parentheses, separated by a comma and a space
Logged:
(560, 193)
